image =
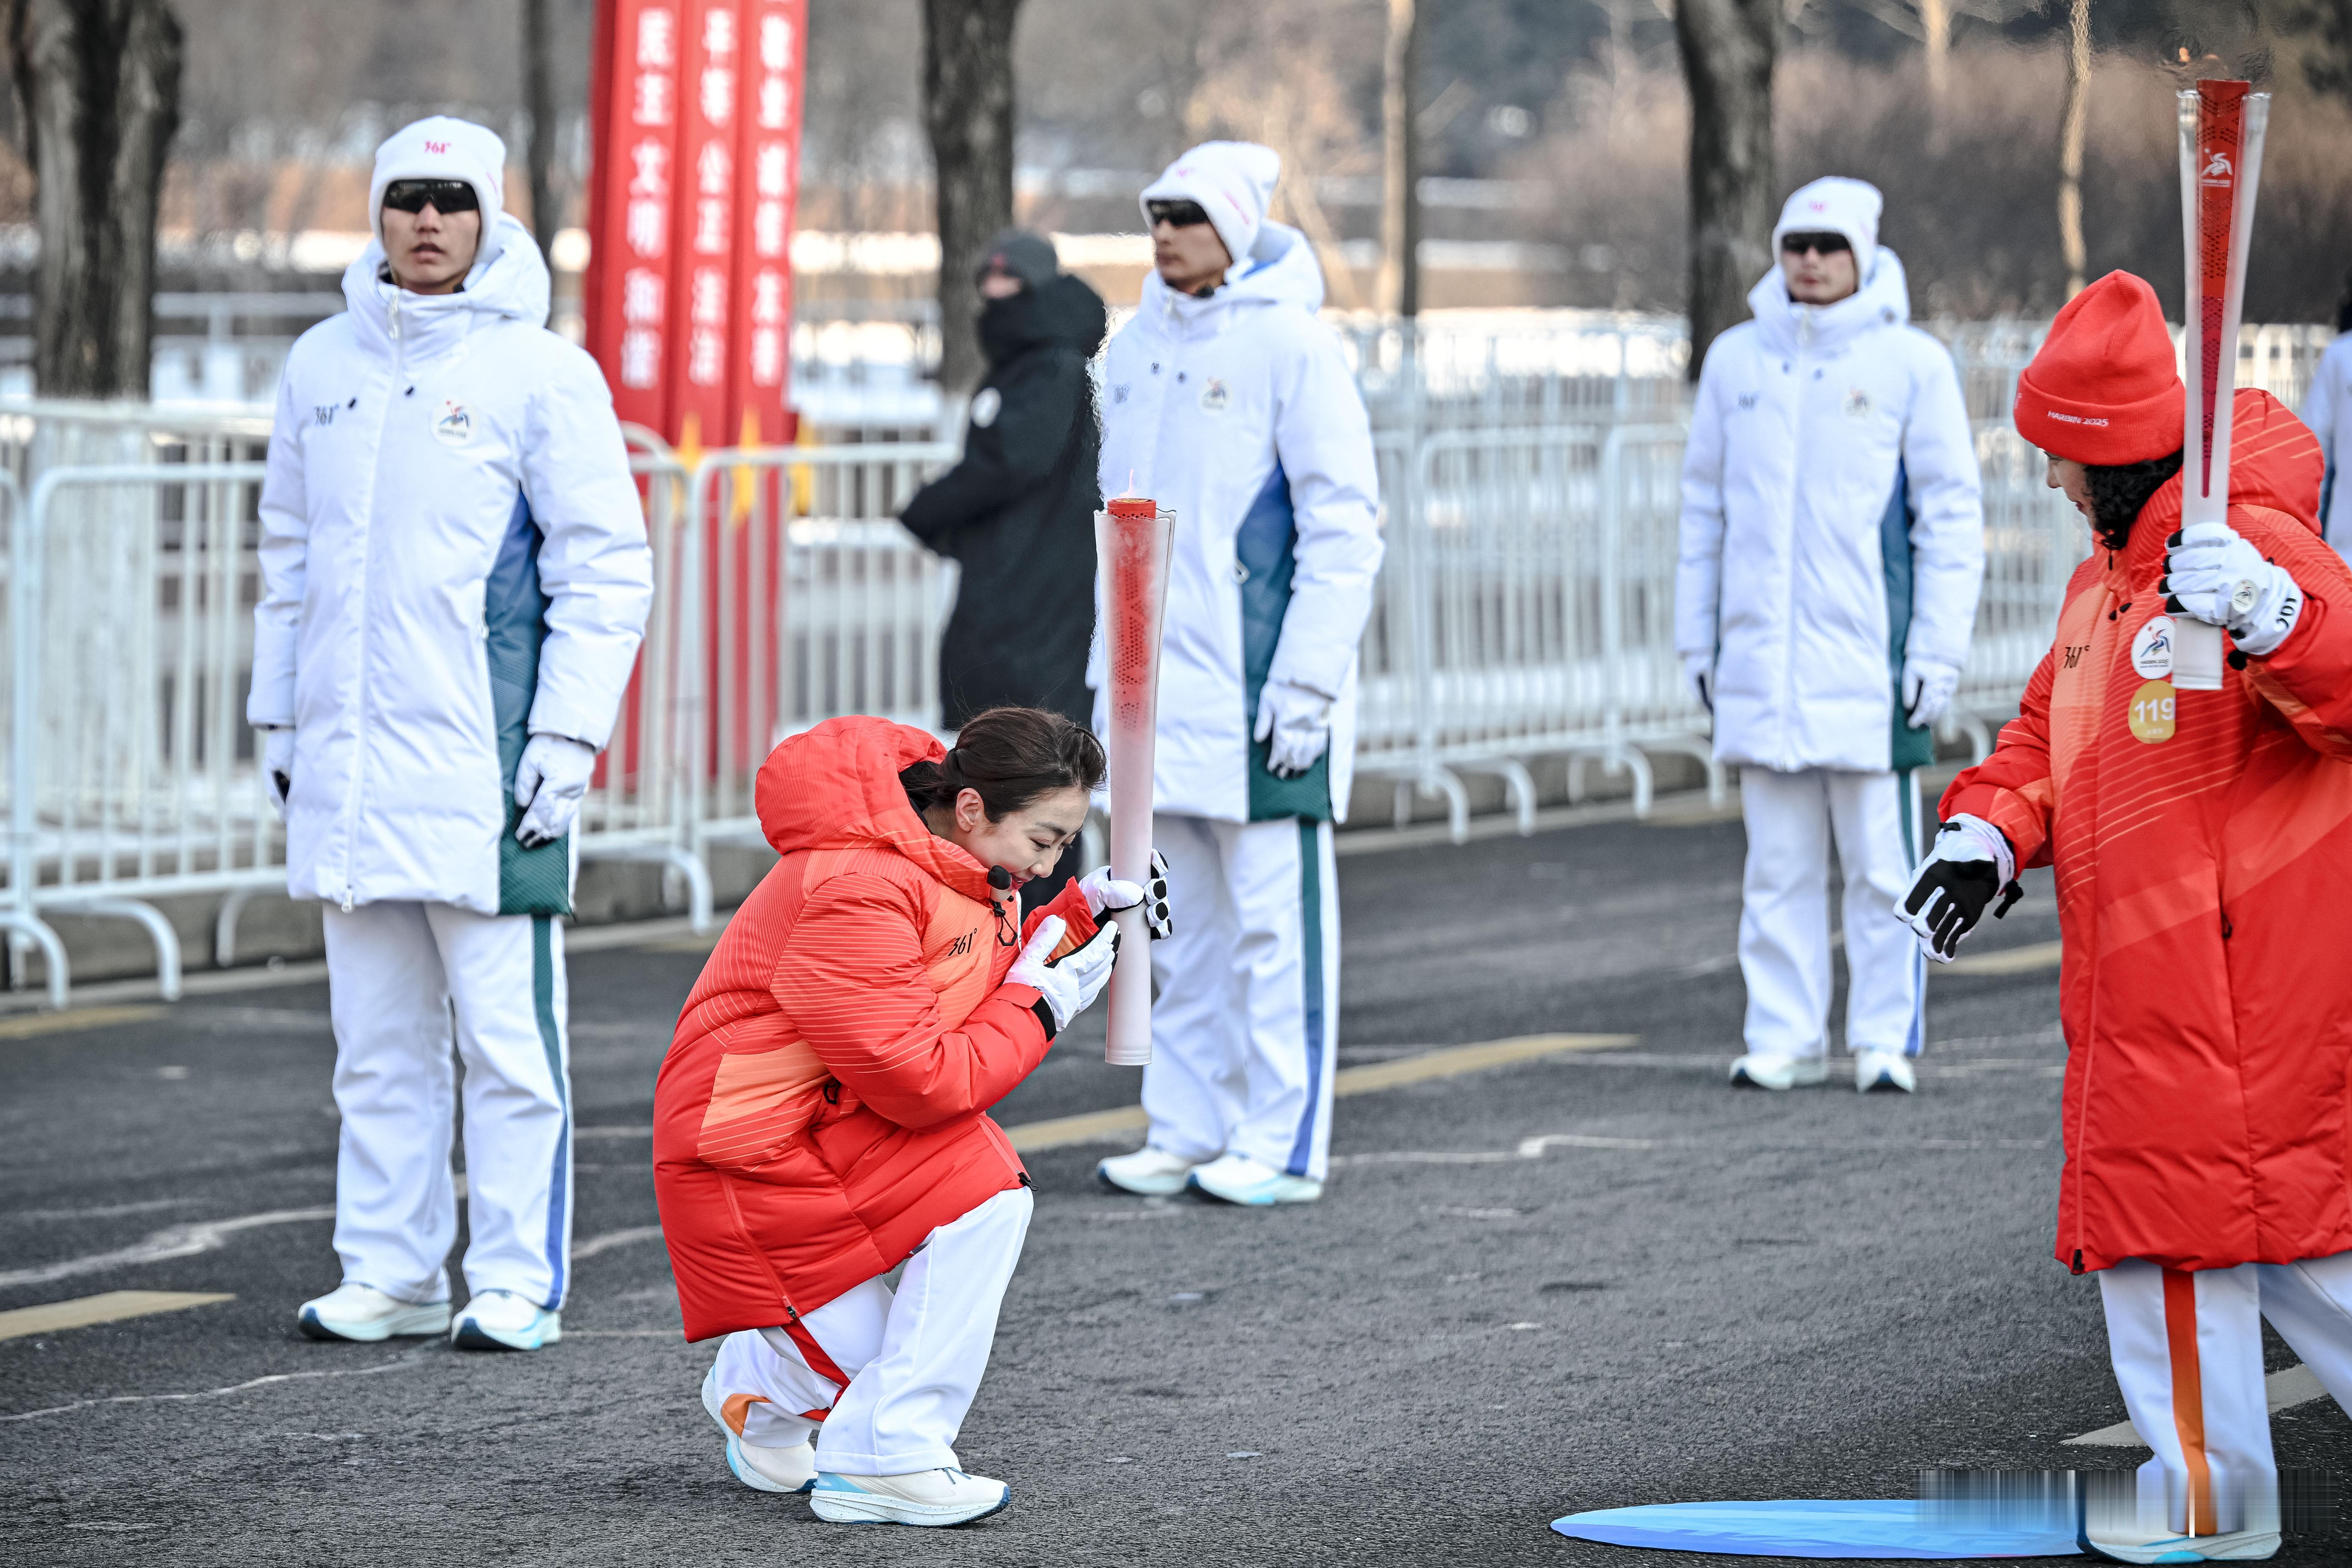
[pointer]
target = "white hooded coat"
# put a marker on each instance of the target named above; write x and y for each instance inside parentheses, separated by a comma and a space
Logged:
(1830, 525)
(1238, 412)
(450, 536)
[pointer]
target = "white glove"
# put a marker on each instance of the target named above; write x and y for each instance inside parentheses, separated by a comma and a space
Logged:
(1066, 987)
(550, 780)
(2220, 577)
(1296, 721)
(277, 767)
(1927, 687)
(1970, 866)
(1698, 669)
(1105, 895)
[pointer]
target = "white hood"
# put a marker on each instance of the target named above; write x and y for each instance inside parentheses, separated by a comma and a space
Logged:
(1882, 301)
(508, 281)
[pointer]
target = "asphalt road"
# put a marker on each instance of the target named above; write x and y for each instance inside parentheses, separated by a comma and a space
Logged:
(1687, 1293)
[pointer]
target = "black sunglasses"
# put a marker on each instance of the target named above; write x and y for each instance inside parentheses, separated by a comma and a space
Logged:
(443, 196)
(1181, 215)
(1826, 244)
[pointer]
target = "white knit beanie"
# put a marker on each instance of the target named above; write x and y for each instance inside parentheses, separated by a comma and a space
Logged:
(442, 148)
(1849, 207)
(1233, 181)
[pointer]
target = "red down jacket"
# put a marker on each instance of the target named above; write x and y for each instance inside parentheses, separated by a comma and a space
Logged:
(822, 1107)
(2206, 989)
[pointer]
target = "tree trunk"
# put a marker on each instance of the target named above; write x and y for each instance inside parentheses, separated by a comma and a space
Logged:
(1936, 31)
(1728, 46)
(967, 111)
(538, 103)
(2072, 122)
(1400, 289)
(99, 82)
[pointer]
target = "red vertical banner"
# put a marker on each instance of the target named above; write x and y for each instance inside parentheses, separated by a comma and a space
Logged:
(630, 300)
(767, 186)
(703, 253)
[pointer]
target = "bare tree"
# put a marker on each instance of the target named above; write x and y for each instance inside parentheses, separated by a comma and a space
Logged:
(2073, 123)
(538, 103)
(99, 85)
(1399, 290)
(968, 113)
(1728, 49)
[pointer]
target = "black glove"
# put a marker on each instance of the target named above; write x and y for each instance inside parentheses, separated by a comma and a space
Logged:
(1970, 865)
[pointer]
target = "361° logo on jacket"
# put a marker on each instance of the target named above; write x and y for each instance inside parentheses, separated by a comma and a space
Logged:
(452, 427)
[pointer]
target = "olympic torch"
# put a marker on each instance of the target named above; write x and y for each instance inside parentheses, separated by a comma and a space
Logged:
(2221, 126)
(1131, 541)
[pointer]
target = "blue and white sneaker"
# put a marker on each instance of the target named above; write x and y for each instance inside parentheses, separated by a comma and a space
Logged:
(930, 1498)
(502, 1321)
(2114, 1525)
(1238, 1179)
(786, 1470)
(361, 1312)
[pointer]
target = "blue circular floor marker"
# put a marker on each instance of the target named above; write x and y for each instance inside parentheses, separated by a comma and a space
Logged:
(1823, 1527)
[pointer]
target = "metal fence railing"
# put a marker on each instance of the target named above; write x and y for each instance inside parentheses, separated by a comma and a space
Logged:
(1524, 619)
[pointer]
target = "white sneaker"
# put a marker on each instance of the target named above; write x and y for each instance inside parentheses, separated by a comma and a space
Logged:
(1147, 1173)
(502, 1321)
(2237, 1546)
(791, 1470)
(926, 1497)
(1238, 1179)
(1884, 1069)
(1758, 1071)
(355, 1311)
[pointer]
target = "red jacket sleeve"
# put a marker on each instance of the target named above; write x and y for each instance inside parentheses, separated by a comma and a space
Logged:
(2309, 678)
(2011, 789)
(851, 976)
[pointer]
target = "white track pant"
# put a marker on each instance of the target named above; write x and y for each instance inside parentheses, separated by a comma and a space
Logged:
(1244, 1029)
(2187, 1352)
(890, 1375)
(1784, 913)
(395, 975)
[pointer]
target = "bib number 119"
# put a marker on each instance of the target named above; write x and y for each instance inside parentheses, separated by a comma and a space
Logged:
(2152, 712)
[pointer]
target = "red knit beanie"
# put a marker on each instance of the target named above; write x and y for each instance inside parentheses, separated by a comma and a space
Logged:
(2105, 390)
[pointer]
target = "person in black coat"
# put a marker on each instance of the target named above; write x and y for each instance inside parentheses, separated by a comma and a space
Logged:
(1018, 512)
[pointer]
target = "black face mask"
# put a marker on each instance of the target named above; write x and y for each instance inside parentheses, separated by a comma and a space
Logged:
(445, 196)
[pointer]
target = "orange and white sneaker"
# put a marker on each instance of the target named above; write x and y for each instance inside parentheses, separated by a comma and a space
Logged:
(789, 1470)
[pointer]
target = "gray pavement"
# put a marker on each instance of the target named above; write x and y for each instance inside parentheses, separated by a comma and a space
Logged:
(1685, 1293)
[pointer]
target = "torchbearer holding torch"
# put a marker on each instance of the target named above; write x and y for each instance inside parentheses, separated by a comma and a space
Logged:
(1228, 403)
(2195, 835)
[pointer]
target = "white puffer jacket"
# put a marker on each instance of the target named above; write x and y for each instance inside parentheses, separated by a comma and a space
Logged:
(1238, 412)
(1831, 526)
(2327, 409)
(453, 553)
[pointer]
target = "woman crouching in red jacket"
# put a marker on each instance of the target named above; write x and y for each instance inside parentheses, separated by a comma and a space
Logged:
(2203, 841)
(819, 1119)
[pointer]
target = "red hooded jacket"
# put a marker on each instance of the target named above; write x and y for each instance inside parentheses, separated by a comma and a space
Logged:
(820, 1110)
(2206, 990)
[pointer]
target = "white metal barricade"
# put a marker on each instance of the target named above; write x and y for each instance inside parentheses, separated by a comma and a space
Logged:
(844, 617)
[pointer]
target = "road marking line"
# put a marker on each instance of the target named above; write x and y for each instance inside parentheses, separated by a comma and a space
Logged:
(411, 1358)
(59, 1023)
(1097, 1126)
(112, 1307)
(581, 1132)
(612, 1238)
(2298, 1385)
(172, 1241)
(2013, 961)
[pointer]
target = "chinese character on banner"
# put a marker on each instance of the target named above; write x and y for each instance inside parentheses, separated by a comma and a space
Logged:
(635, 105)
(767, 157)
(710, 35)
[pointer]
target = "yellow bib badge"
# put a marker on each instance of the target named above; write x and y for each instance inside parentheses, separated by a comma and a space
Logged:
(2152, 712)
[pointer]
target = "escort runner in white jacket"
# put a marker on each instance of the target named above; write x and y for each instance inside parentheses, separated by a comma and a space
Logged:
(1832, 546)
(456, 580)
(1227, 401)
(2327, 409)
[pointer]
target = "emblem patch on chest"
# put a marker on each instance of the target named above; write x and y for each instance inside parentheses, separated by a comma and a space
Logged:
(1214, 397)
(986, 403)
(2152, 713)
(2151, 649)
(452, 427)
(1857, 403)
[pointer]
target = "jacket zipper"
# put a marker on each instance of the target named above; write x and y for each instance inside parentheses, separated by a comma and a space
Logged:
(367, 583)
(1797, 444)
